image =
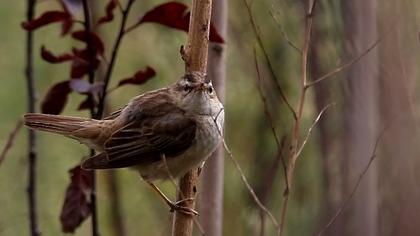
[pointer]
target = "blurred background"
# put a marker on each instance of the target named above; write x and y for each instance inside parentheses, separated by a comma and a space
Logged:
(379, 90)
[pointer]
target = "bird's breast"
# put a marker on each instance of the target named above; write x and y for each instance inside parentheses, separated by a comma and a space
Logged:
(208, 136)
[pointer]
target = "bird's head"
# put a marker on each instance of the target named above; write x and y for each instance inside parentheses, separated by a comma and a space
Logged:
(196, 94)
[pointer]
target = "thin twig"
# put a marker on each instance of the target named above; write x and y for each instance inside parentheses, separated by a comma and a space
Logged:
(91, 76)
(91, 54)
(264, 100)
(32, 153)
(345, 66)
(308, 134)
(291, 44)
(115, 49)
(10, 140)
(241, 173)
(117, 216)
(270, 66)
(248, 186)
(269, 117)
(345, 203)
(296, 127)
(268, 182)
(119, 6)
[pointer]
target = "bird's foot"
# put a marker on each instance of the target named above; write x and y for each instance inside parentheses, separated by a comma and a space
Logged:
(178, 206)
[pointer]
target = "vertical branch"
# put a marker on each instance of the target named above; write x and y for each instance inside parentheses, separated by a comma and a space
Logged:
(293, 154)
(91, 75)
(211, 197)
(195, 57)
(117, 43)
(269, 64)
(32, 154)
(196, 50)
(117, 218)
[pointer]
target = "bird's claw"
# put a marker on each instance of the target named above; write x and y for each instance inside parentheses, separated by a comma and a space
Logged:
(177, 206)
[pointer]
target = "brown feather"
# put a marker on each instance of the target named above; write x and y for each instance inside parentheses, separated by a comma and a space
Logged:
(88, 131)
(54, 123)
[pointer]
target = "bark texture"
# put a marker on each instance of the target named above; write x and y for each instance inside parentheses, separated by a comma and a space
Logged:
(195, 56)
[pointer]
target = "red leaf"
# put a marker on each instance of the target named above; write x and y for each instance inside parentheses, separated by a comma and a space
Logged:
(171, 14)
(80, 65)
(76, 207)
(49, 57)
(214, 36)
(46, 18)
(140, 77)
(70, 7)
(175, 15)
(109, 9)
(78, 69)
(96, 42)
(56, 98)
(66, 26)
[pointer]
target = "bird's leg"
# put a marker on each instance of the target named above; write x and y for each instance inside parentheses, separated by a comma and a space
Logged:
(175, 206)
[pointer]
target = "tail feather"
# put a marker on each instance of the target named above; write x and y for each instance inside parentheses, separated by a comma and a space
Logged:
(54, 123)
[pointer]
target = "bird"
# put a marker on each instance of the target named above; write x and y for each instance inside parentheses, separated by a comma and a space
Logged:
(162, 133)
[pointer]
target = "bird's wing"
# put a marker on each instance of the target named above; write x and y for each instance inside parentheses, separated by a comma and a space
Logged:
(147, 137)
(114, 114)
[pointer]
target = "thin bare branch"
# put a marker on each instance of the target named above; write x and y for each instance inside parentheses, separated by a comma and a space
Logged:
(345, 66)
(268, 181)
(91, 77)
(32, 147)
(241, 173)
(308, 134)
(10, 140)
(269, 116)
(291, 44)
(264, 100)
(248, 186)
(270, 66)
(296, 127)
(345, 203)
(114, 54)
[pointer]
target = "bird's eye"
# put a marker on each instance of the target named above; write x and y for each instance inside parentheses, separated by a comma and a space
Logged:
(210, 90)
(187, 89)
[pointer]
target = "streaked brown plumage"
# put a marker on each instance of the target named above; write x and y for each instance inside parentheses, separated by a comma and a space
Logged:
(171, 121)
(182, 123)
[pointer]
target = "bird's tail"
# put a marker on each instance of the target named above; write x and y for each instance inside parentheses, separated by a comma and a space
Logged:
(65, 125)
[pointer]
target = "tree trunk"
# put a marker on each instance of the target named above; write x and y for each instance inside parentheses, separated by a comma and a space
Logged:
(360, 114)
(211, 194)
(399, 160)
(326, 141)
